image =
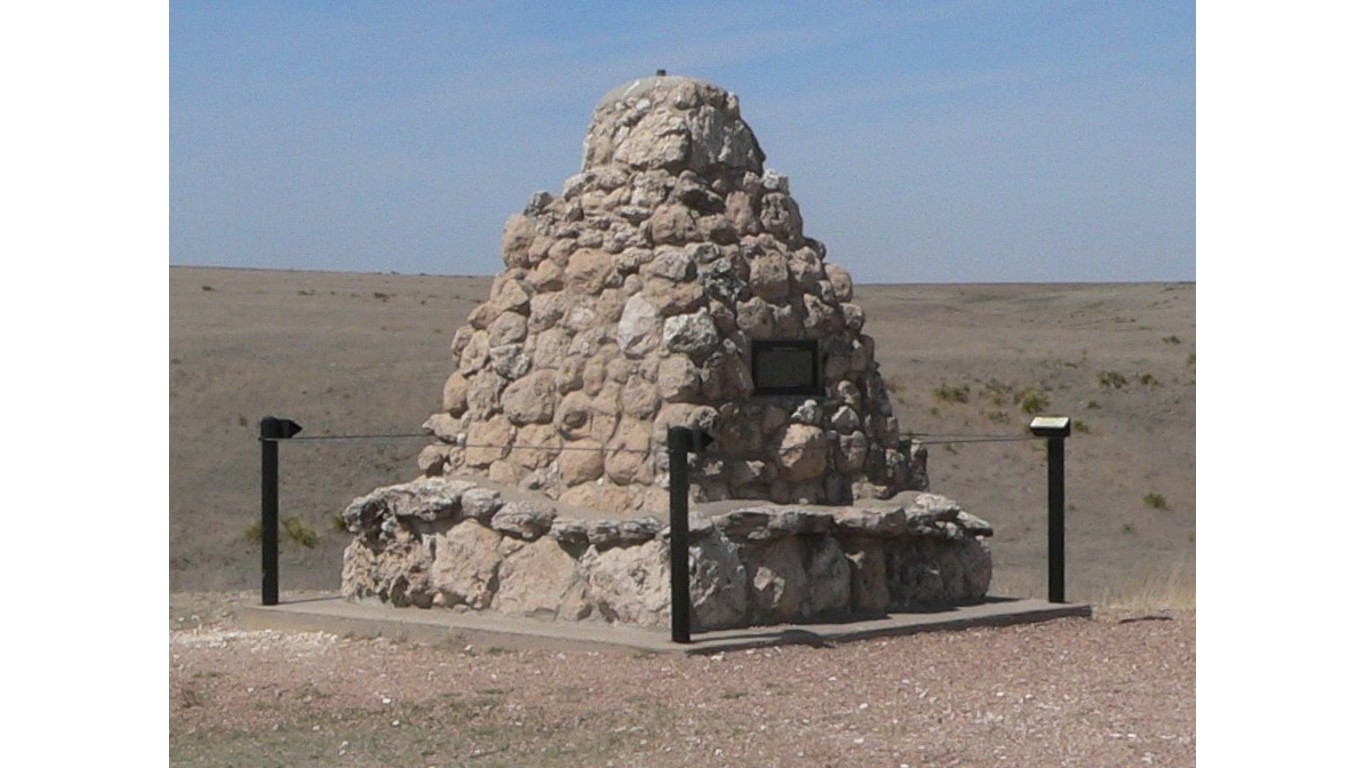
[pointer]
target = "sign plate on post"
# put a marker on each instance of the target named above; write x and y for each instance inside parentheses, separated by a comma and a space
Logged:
(1051, 426)
(1056, 429)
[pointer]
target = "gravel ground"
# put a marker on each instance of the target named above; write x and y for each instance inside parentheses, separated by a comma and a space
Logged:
(1118, 689)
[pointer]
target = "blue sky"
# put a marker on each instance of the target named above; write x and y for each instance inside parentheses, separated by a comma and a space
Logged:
(926, 141)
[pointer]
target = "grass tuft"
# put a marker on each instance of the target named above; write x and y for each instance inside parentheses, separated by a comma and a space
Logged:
(949, 394)
(1032, 401)
(1111, 379)
(299, 532)
(293, 528)
(1156, 588)
(1155, 500)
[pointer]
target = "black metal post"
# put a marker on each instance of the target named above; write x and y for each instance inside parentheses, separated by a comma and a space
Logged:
(270, 512)
(1056, 501)
(679, 441)
(273, 430)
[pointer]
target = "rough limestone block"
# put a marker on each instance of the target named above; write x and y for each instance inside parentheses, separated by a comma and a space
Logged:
(482, 396)
(453, 394)
(444, 427)
(489, 441)
(510, 361)
(587, 272)
(801, 452)
(537, 447)
(778, 580)
(547, 309)
(535, 580)
(718, 584)
(629, 584)
(510, 296)
(428, 500)
(829, 578)
(507, 328)
(868, 574)
(480, 504)
(580, 462)
(678, 379)
(852, 453)
(433, 460)
(524, 519)
(531, 399)
(518, 233)
(840, 281)
(465, 565)
(768, 276)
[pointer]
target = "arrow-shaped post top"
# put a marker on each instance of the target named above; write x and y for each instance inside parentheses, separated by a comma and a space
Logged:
(689, 439)
(273, 428)
(700, 439)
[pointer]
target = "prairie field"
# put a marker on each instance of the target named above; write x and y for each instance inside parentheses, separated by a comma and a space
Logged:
(367, 354)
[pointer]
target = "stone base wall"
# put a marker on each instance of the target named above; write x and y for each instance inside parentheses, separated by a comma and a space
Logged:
(449, 543)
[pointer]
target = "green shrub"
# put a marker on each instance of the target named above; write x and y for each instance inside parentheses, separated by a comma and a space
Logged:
(1155, 500)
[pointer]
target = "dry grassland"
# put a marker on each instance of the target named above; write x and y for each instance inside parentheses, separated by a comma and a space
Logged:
(345, 353)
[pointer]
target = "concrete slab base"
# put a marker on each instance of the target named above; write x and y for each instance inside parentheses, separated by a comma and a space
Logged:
(441, 626)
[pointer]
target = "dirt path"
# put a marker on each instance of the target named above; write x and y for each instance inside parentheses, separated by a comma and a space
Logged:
(1115, 690)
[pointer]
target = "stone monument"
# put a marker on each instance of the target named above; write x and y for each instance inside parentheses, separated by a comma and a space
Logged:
(671, 283)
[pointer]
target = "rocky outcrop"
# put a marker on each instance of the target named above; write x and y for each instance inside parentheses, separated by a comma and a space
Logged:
(631, 302)
(436, 542)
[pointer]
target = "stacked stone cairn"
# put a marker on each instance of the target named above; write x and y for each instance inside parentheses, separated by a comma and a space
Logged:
(630, 304)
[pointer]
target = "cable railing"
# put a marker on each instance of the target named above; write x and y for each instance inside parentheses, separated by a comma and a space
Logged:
(680, 442)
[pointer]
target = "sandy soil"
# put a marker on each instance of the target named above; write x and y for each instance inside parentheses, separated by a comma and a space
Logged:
(1118, 689)
(367, 354)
